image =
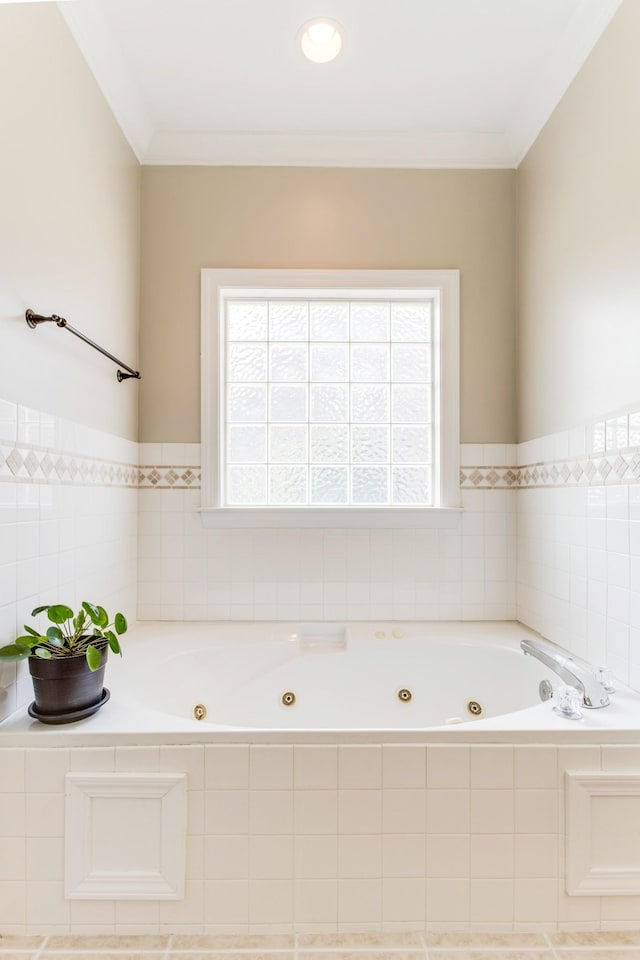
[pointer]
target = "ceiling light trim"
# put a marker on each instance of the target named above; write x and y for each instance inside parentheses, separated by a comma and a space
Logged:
(321, 52)
(104, 58)
(569, 54)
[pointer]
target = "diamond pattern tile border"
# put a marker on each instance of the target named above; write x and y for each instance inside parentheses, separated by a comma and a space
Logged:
(169, 478)
(23, 463)
(578, 472)
(27, 464)
(489, 478)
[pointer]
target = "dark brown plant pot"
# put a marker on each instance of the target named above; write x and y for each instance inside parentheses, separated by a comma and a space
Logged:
(65, 689)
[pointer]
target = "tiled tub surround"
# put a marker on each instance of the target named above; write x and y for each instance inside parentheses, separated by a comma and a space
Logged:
(187, 572)
(68, 524)
(320, 838)
(349, 837)
(579, 541)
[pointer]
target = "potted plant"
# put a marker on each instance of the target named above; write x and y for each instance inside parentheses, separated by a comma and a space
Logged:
(67, 662)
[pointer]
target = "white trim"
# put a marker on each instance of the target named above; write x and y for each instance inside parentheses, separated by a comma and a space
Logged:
(331, 517)
(209, 396)
(584, 877)
(430, 149)
(95, 40)
(445, 282)
(534, 110)
(433, 149)
(448, 396)
(84, 877)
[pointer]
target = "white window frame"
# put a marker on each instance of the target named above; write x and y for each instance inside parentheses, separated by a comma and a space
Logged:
(216, 283)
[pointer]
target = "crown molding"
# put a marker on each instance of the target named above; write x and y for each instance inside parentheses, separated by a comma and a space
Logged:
(432, 149)
(91, 32)
(578, 40)
(429, 149)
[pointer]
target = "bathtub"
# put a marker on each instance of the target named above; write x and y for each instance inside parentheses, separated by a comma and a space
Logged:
(361, 682)
(374, 800)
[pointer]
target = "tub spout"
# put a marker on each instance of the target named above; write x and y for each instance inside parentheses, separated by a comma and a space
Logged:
(574, 671)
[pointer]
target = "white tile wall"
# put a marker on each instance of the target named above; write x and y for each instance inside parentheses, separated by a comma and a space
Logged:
(578, 570)
(576, 560)
(326, 837)
(60, 542)
(187, 572)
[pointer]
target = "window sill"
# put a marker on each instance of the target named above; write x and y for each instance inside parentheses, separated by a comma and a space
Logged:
(330, 517)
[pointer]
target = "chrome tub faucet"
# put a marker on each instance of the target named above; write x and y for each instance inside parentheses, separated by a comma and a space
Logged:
(573, 670)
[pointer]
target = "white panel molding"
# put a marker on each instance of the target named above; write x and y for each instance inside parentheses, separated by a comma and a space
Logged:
(144, 816)
(592, 867)
(91, 32)
(540, 100)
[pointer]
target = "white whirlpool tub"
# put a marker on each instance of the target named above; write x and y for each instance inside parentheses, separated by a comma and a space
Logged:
(311, 677)
(361, 682)
(347, 810)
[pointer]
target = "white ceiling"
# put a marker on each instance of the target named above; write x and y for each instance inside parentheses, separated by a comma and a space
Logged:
(423, 83)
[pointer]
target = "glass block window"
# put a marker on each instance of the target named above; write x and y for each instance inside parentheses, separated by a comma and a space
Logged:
(327, 402)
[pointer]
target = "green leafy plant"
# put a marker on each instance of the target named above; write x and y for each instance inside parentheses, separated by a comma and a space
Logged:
(70, 635)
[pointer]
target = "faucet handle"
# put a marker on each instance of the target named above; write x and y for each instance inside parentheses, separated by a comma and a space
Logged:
(605, 675)
(568, 702)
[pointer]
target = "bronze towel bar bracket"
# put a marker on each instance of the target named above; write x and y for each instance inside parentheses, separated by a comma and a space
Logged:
(35, 319)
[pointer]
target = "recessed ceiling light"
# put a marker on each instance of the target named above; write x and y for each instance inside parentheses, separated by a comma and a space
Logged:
(321, 40)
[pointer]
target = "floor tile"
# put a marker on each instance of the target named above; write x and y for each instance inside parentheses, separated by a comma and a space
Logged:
(569, 945)
(492, 954)
(217, 955)
(363, 955)
(20, 943)
(105, 943)
(603, 954)
(484, 941)
(597, 938)
(106, 955)
(226, 941)
(16, 956)
(358, 941)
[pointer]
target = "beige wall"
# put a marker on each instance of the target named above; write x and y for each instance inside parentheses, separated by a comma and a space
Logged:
(194, 217)
(579, 244)
(69, 227)
(69, 243)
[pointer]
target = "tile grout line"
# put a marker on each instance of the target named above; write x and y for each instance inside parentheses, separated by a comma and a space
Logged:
(167, 952)
(40, 951)
(423, 936)
(551, 946)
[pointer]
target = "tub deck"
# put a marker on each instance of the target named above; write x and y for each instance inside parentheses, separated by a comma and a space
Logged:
(151, 648)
